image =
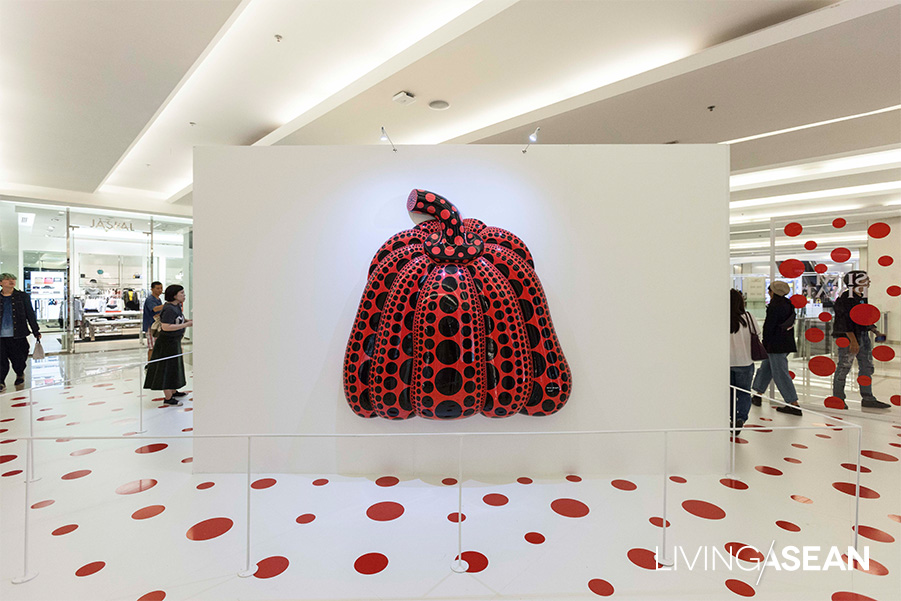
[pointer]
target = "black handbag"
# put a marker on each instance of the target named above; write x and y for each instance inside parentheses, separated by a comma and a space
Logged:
(758, 353)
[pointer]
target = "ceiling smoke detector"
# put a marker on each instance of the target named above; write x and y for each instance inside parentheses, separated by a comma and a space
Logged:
(404, 98)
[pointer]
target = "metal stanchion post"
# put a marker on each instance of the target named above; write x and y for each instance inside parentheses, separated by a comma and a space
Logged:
(29, 465)
(26, 575)
(733, 435)
(857, 490)
(247, 571)
(141, 429)
(459, 565)
(662, 558)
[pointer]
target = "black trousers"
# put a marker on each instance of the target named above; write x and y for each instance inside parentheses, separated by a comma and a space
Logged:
(13, 351)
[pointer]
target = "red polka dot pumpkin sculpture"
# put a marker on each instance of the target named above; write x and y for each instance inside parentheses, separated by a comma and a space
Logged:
(453, 322)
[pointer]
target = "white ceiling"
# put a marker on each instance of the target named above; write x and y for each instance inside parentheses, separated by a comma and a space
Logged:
(97, 96)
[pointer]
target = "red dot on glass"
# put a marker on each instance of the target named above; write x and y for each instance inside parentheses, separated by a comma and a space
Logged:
(371, 563)
(263, 483)
(208, 529)
(599, 587)
(306, 518)
(536, 538)
(624, 485)
(740, 588)
(821, 365)
(840, 255)
(153, 596)
(658, 521)
(865, 315)
(495, 500)
(833, 402)
(791, 268)
(205, 485)
(385, 511)
(839, 223)
(148, 512)
(570, 508)
(136, 486)
(791, 375)
(793, 229)
(524, 480)
(271, 567)
(820, 268)
(320, 482)
(896, 400)
(879, 230)
(799, 301)
(864, 380)
(842, 342)
(791, 527)
(64, 529)
(885, 260)
(456, 517)
(91, 568)
(893, 290)
(810, 245)
(883, 353)
(849, 489)
(643, 558)
(814, 334)
(703, 509)
(387, 481)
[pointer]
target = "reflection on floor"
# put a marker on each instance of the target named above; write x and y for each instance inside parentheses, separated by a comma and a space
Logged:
(127, 519)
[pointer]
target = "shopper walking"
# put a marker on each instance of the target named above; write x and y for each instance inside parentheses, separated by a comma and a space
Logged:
(152, 306)
(741, 365)
(859, 343)
(779, 341)
(168, 375)
(16, 319)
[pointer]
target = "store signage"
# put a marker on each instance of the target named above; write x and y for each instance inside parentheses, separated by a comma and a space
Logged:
(108, 224)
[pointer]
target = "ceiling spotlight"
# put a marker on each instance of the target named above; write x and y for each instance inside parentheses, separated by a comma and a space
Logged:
(192, 123)
(385, 138)
(278, 38)
(533, 137)
(439, 105)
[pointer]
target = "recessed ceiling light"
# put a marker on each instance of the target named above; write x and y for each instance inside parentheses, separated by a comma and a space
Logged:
(439, 105)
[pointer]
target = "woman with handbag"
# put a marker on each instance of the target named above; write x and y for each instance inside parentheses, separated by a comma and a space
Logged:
(743, 328)
(779, 342)
(169, 375)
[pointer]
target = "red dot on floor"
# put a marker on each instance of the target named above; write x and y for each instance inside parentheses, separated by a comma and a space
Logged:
(48, 418)
(271, 566)
(136, 486)
(740, 588)
(570, 508)
(536, 538)
(208, 529)
(833, 402)
(10, 473)
(658, 521)
(385, 511)
(875, 568)
(449, 481)
(744, 552)
(875, 534)
(573, 478)
(791, 460)
(305, 518)
(853, 467)
(643, 558)
(151, 448)
(75, 475)
(788, 526)
(477, 561)
(205, 485)
(624, 485)
(371, 563)
(188, 460)
(187, 429)
(703, 509)
(601, 588)
(90, 568)
(848, 596)
(770, 471)
(148, 512)
(7, 458)
(263, 483)
(895, 517)
(64, 529)
(849, 489)
(42, 504)
(878, 455)
(732, 483)
(802, 499)
(823, 436)
(495, 499)
(678, 479)
(320, 482)
(387, 481)
(524, 480)
(153, 596)
(454, 517)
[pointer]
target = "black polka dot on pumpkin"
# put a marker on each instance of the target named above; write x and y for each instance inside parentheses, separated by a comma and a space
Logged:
(449, 381)
(509, 383)
(449, 284)
(448, 410)
(388, 398)
(406, 369)
(538, 364)
(363, 373)
(448, 304)
(491, 376)
(553, 373)
(404, 400)
(490, 348)
(534, 335)
(470, 386)
(448, 326)
(448, 352)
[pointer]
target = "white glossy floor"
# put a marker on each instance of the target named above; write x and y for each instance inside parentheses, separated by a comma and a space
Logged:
(127, 519)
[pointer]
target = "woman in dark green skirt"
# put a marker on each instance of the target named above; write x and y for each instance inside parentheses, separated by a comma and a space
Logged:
(169, 375)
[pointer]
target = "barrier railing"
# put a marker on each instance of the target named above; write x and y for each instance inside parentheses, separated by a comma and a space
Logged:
(458, 564)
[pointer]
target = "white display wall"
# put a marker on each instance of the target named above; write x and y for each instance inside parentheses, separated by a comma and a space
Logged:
(630, 243)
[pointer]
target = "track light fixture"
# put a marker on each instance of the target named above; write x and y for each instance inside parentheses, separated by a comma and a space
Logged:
(533, 137)
(385, 138)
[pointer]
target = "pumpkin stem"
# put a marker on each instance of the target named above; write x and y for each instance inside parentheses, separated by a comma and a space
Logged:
(453, 242)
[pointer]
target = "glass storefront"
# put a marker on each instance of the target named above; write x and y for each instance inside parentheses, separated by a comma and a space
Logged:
(89, 270)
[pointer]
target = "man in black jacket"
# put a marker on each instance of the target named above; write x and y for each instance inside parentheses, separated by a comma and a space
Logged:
(16, 317)
(859, 343)
(779, 341)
